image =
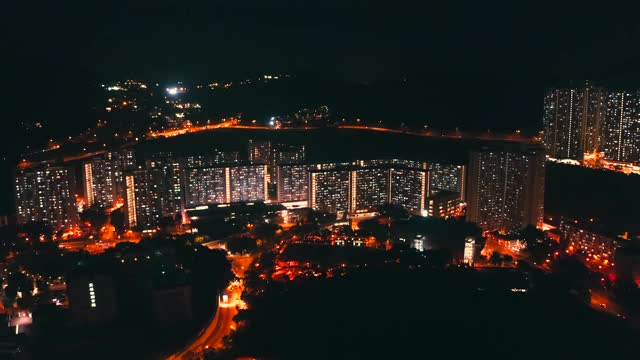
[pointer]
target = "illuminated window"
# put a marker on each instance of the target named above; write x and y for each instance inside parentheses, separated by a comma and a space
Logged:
(92, 295)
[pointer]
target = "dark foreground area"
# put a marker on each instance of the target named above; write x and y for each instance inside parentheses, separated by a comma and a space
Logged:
(331, 144)
(399, 314)
(583, 193)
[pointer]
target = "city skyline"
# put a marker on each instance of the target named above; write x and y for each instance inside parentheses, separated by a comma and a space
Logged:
(199, 179)
(171, 183)
(443, 55)
(590, 120)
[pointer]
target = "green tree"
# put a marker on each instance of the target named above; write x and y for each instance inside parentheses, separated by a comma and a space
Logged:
(35, 229)
(392, 211)
(496, 258)
(378, 230)
(573, 272)
(532, 235)
(266, 231)
(242, 244)
(118, 220)
(95, 215)
(9, 295)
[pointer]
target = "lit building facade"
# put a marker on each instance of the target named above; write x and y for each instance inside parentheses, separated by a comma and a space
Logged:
(333, 165)
(506, 189)
(287, 154)
(205, 186)
(622, 127)
(468, 256)
(167, 173)
(447, 177)
(293, 182)
(416, 164)
(444, 204)
(329, 190)
(217, 157)
(103, 177)
(46, 194)
(225, 184)
(408, 188)
(357, 189)
(247, 183)
(369, 189)
(259, 151)
(199, 160)
(143, 198)
(573, 119)
(595, 248)
(283, 154)
(227, 157)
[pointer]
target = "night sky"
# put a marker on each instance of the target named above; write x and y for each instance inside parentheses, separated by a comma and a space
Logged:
(502, 55)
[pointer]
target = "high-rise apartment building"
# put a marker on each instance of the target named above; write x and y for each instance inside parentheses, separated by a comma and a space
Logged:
(273, 155)
(443, 204)
(143, 198)
(103, 177)
(408, 188)
(247, 183)
(227, 157)
(283, 154)
(329, 190)
(506, 189)
(356, 189)
(405, 185)
(198, 160)
(167, 171)
(572, 120)
(621, 140)
(259, 151)
(225, 184)
(392, 162)
(447, 177)
(46, 194)
(592, 105)
(589, 243)
(217, 157)
(293, 182)
(287, 154)
(205, 186)
(369, 189)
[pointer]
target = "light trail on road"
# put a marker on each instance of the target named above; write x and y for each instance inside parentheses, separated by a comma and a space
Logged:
(222, 324)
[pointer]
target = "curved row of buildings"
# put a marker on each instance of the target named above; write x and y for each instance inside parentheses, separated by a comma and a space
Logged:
(502, 186)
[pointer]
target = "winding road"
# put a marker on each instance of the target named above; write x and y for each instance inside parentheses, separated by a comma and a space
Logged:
(222, 324)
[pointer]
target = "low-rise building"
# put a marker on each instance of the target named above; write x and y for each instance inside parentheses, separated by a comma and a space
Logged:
(596, 247)
(92, 298)
(443, 204)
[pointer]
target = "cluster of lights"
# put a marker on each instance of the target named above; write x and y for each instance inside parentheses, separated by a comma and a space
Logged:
(176, 90)
(92, 295)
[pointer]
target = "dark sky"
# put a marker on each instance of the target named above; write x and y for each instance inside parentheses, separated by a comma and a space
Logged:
(488, 63)
(57, 49)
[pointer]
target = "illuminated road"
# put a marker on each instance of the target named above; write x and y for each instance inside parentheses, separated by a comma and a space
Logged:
(600, 301)
(95, 247)
(233, 124)
(29, 164)
(212, 335)
(492, 245)
(456, 135)
(222, 324)
(192, 129)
